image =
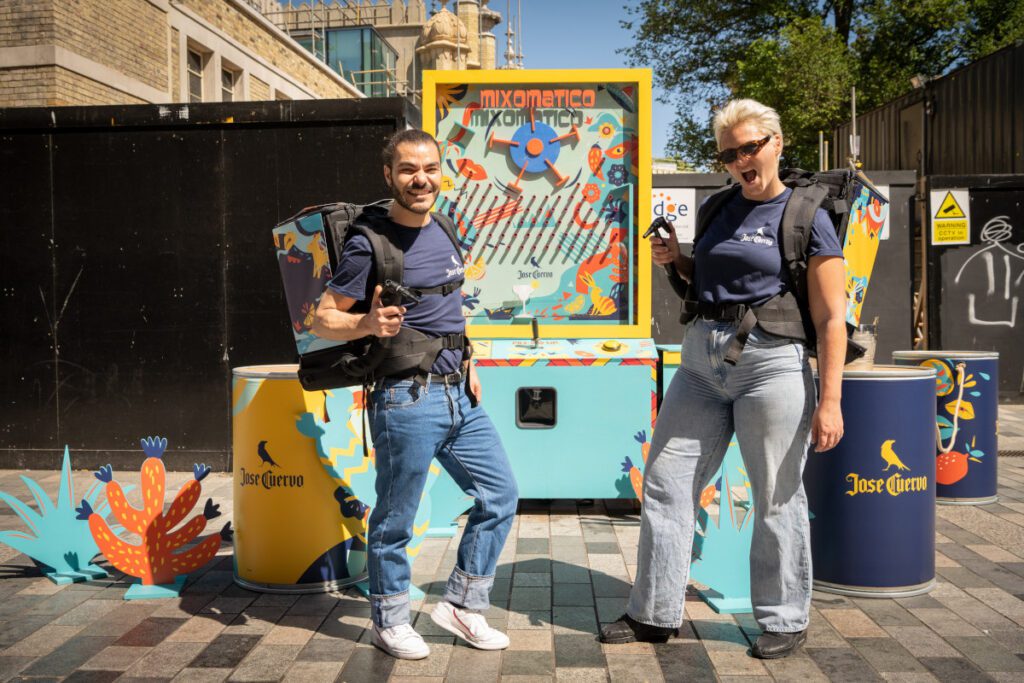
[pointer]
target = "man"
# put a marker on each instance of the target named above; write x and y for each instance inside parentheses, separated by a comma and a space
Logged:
(414, 419)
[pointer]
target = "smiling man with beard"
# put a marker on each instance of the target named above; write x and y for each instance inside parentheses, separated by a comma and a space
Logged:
(423, 414)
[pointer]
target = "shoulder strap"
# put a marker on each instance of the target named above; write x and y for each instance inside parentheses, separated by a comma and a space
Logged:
(710, 207)
(705, 213)
(388, 259)
(448, 225)
(795, 233)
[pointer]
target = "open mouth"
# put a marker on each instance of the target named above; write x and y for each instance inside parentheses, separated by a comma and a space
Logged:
(749, 176)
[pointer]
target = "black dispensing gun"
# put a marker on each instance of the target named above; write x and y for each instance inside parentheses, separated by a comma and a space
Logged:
(392, 290)
(662, 228)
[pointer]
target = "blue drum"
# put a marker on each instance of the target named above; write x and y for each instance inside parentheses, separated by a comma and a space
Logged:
(872, 497)
(966, 416)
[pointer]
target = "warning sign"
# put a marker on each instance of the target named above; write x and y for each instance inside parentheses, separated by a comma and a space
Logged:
(951, 220)
(950, 208)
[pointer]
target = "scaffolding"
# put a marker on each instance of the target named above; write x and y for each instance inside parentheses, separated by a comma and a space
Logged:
(308, 24)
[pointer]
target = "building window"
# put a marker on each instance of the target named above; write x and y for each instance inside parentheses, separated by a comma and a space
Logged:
(360, 55)
(194, 65)
(228, 82)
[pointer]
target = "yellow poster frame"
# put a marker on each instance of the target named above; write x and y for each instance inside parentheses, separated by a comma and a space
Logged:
(641, 78)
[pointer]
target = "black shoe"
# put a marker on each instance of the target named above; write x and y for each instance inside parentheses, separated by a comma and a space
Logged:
(629, 630)
(777, 645)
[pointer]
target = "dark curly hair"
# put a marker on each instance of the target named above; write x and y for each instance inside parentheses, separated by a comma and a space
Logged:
(412, 135)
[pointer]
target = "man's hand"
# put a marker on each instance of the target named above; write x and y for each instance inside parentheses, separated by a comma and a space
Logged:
(826, 425)
(475, 387)
(382, 321)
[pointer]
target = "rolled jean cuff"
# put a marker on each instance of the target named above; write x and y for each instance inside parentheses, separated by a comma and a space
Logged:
(390, 610)
(786, 628)
(467, 591)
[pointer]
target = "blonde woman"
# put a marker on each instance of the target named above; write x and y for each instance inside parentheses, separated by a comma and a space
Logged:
(767, 397)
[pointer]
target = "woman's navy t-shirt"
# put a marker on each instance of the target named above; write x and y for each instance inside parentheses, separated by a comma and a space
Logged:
(430, 261)
(738, 260)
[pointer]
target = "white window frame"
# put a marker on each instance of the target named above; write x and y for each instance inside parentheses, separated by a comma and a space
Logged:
(204, 59)
(237, 82)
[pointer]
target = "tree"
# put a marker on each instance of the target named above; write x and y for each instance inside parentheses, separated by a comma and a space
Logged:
(807, 96)
(802, 56)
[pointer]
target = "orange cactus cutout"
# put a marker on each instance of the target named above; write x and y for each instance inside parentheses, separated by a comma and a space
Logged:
(154, 560)
(707, 496)
(636, 477)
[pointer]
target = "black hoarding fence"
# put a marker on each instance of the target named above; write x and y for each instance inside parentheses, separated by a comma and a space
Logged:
(890, 291)
(137, 266)
(969, 121)
(976, 287)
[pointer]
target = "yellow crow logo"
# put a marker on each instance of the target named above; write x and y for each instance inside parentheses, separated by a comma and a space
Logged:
(890, 457)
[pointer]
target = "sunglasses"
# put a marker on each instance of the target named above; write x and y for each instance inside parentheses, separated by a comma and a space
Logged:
(727, 156)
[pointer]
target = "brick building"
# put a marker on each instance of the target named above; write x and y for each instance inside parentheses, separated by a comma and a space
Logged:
(81, 52)
(383, 47)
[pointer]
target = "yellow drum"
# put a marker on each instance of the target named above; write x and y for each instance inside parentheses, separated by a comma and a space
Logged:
(298, 528)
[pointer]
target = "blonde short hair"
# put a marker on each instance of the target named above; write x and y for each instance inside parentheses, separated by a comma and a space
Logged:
(736, 112)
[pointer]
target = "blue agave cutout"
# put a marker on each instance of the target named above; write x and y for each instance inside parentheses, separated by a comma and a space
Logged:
(57, 541)
(721, 552)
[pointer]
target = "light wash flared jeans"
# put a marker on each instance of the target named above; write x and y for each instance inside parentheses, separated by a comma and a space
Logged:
(767, 399)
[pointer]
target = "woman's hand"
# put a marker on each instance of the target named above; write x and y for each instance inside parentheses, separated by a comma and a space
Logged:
(664, 250)
(826, 425)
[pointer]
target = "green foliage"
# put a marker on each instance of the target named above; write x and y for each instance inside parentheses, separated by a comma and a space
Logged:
(802, 56)
(897, 39)
(808, 99)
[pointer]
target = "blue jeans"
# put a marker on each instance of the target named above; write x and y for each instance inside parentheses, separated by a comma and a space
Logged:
(767, 398)
(411, 425)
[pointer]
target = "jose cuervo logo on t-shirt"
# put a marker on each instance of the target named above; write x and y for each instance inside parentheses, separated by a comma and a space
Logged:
(459, 268)
(758, 238)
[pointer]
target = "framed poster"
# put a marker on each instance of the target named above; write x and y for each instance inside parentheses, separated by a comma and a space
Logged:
(547, 176)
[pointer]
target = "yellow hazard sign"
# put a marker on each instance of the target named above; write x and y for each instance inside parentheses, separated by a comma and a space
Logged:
(951, 216)
(950, 208)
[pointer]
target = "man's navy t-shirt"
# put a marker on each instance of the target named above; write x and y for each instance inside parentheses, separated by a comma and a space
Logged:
(430, 261)
(738, 260)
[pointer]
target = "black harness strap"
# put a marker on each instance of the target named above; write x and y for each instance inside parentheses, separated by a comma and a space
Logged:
(409, 353)
(448, 225)
(443, 290)
(739, 340)
(782, 315)
(705, 213)
(795, 232)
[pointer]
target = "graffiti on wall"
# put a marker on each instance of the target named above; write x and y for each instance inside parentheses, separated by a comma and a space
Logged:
(994, 298)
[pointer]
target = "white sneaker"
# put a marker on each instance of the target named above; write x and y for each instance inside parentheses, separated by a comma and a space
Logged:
(470, 626)
(401, 642)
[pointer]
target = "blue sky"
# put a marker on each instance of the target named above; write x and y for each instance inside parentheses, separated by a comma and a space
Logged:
(578, 34)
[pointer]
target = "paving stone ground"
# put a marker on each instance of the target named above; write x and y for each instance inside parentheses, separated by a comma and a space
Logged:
(565, 571)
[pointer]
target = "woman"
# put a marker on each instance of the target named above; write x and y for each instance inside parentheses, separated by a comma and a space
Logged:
(767, 398)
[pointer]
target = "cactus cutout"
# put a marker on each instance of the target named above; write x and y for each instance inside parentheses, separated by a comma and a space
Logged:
(57, 541)
(161, 571)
